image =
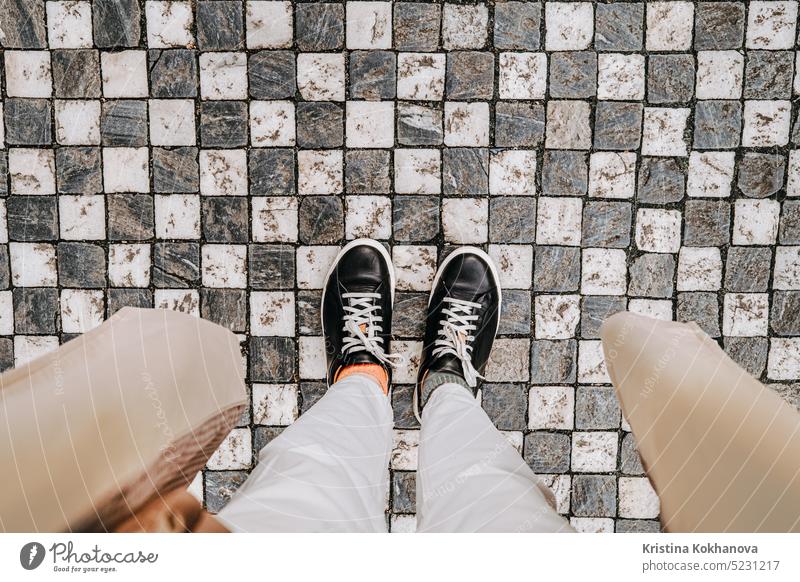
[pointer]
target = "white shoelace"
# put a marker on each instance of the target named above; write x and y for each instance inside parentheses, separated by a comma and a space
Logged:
(362, 321)
(455, 337)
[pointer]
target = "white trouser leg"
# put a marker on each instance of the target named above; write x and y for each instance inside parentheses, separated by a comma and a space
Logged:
(326, 472)
(470, 478)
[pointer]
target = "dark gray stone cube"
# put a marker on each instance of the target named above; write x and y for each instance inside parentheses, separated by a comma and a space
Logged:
(415, 218)
(547, 452)
(373, 75)
(518, 124)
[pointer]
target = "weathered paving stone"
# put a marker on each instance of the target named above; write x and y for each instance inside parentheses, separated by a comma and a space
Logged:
(6, 354)
(651, 275)
(408, 317)
(749, 352)
(415, 218)
(116, 23)
(5, 271)
(367, 171)
(619, 27)
(745, 269)
(272, 359)
(416, 26)
(631, 463)
(35, 310)
(594, 495)
(173, 73)
(553, 361)
(547, 452)
(419, 124)
(76, 73)
(372, 75)
(402, 405)
(28, 121)
(272, 75)
(505, 404)
(596, 407)
(29, 30)
(226, 307)
(637, 526)
(516, 25)
(717, 124)
(308, 312)
(225, 219)
(719, 25)
(670, 78)
(271, 266)
(515, 312)
(223, 124)
(512, 219)
(32, 218)
(565, 173)
(465, 171)
(321, 220)
(404, 492)
(707, 223)
(789, 232)
(320, 26)
(130, 216)
(310, 393)
(556, 269)
(661, 181)
(320, 125)
(469, 75)
(768, 74)
(3, 174)
(119, 298)
(519, 124)
(220, 487)
(701, 308)
(606, 224)
(573, 74)
(761, 175)
(617, 126)
(175, 170)
(176, 264)
(81, 265)
(219, 25)
(785, 314)
(595, 309)
(123, 122)
(271, 172)
(78, 170)
(263, 435)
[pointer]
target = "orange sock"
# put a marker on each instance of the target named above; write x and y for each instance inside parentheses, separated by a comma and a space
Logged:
(373, 370)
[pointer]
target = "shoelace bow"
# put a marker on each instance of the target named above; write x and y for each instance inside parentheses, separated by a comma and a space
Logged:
(362, 321)
(455, 337)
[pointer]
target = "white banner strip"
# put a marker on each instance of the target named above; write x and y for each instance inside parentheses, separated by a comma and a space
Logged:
(494, 558)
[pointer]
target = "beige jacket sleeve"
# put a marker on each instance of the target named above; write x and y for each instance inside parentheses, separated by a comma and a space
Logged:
(123, 414)
(721, 450)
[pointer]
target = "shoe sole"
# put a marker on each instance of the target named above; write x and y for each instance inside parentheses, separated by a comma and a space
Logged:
(495, 275)
(356, 243)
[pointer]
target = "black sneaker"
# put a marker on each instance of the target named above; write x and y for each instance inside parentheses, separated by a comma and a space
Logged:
(357, 308)
(463, 317)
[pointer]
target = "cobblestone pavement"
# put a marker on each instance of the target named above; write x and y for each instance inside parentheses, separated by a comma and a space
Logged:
(211, 156)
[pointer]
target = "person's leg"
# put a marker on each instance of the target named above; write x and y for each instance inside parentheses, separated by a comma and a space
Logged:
(329, 470)
(326, 472)
(470, 478)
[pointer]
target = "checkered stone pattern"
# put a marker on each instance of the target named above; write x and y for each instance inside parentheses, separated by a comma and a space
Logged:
(212, 156)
